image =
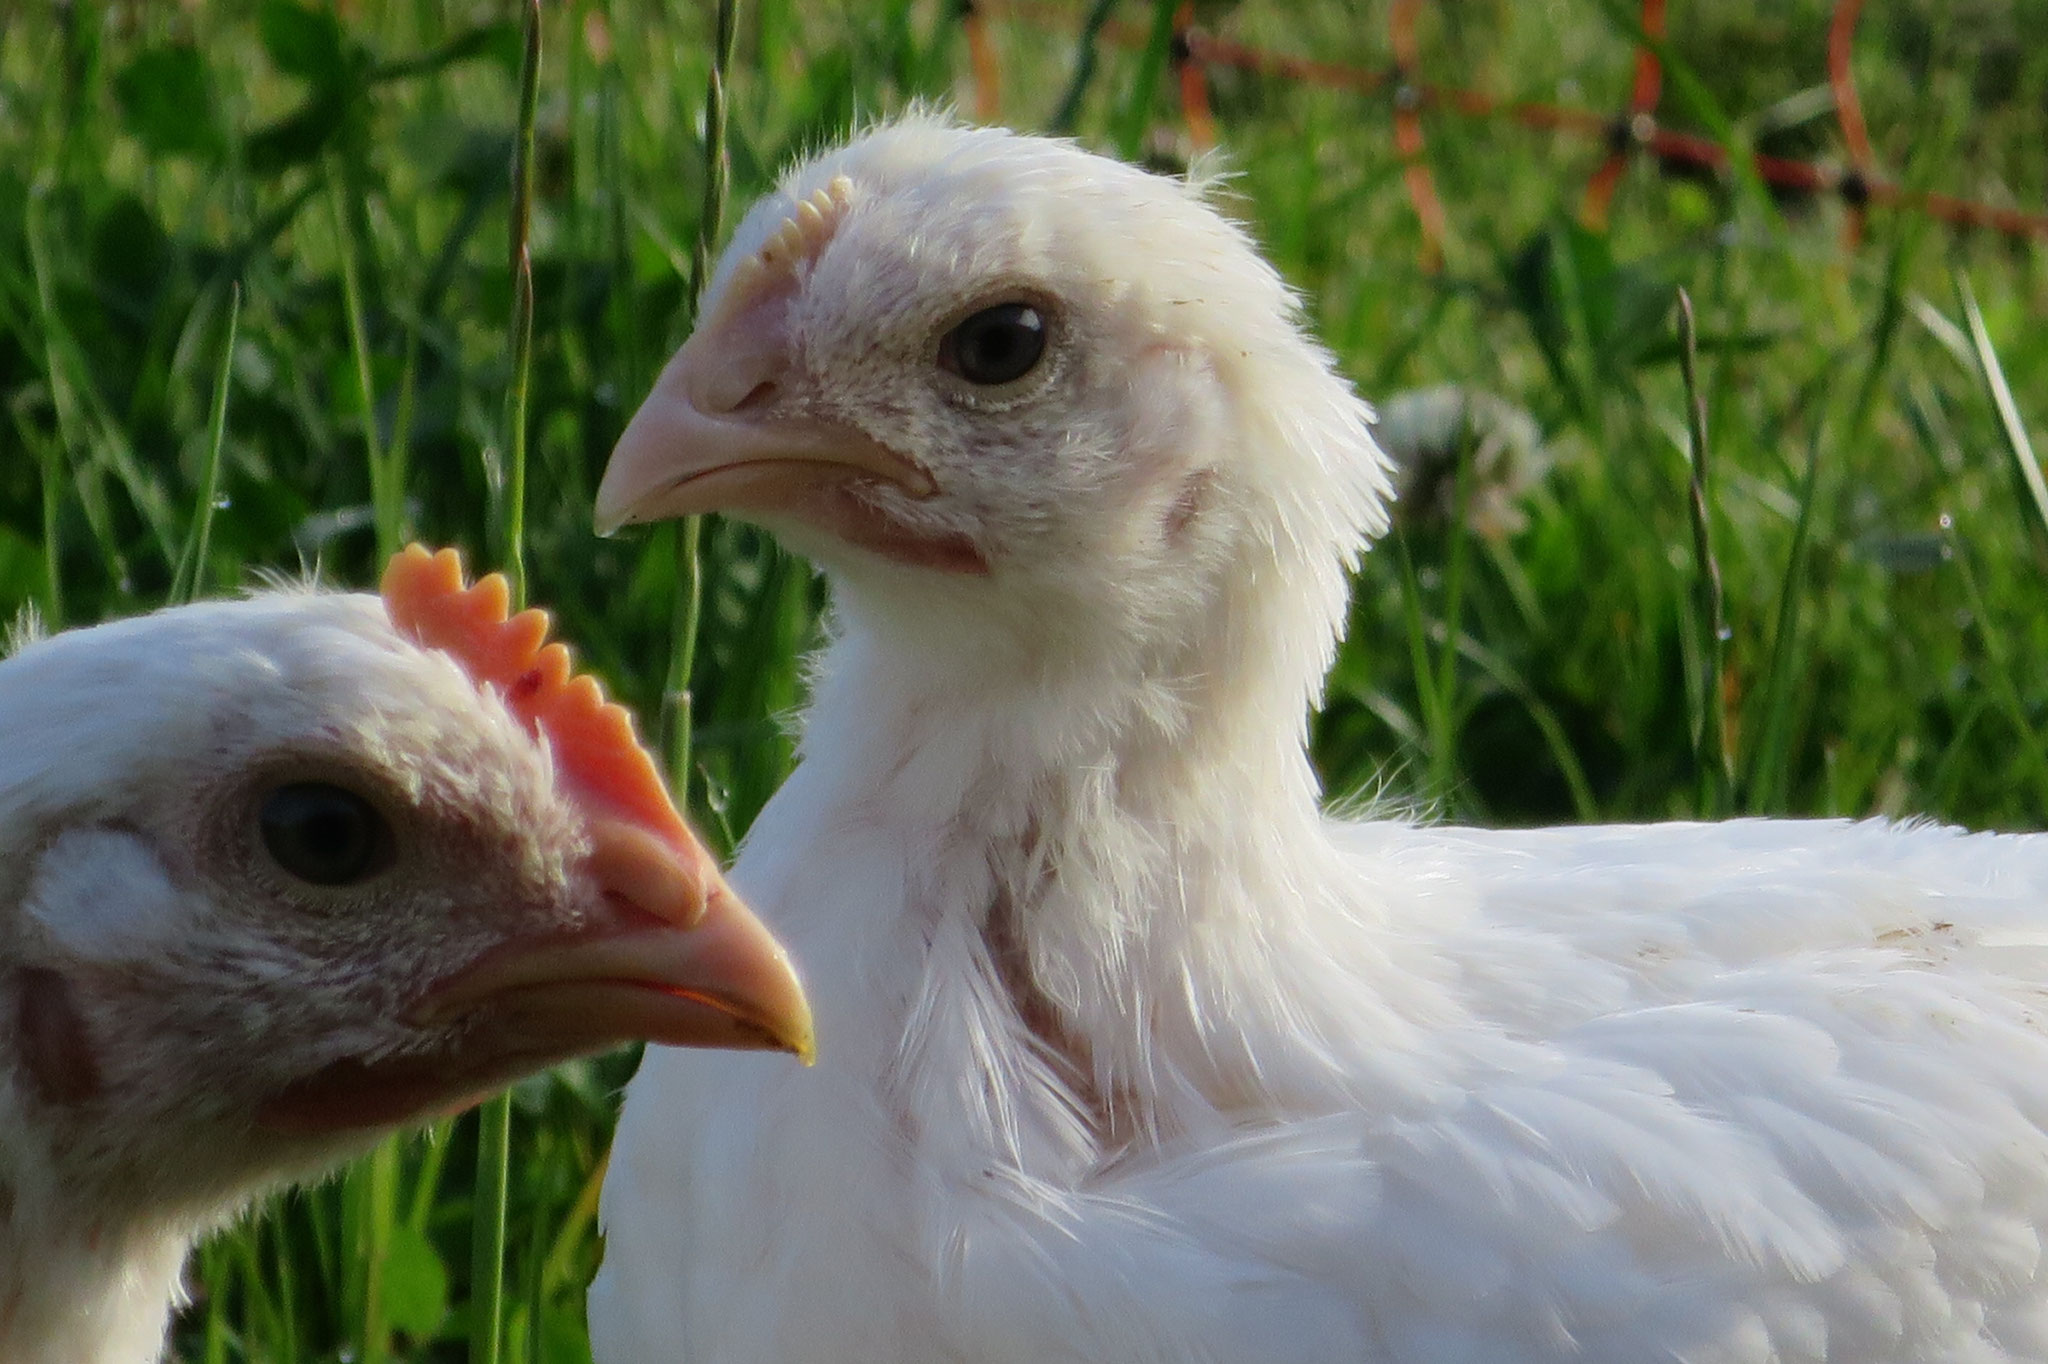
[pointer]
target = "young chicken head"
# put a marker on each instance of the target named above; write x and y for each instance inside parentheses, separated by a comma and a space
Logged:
(276, 876)
(1018, 399)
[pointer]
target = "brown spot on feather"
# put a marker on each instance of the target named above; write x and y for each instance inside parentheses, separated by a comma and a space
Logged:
(54, 1043)
(1113, 1118)
(1069, 1055)
(1188, 504)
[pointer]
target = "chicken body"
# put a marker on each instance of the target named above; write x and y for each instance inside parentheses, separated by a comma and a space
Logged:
(1135, 1055)
(274, 879)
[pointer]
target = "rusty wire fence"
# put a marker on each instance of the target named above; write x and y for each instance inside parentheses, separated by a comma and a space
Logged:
(1634, 129)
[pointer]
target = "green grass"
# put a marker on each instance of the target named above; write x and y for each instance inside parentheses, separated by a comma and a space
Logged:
(313, 205)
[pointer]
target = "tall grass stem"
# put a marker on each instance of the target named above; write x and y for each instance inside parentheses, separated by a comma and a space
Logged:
(494, 1122)
(373, 1189)
(58, 455)
(186, 582)
(487, 1230)
(689, 569)
(517, 396)
(2010, 423)
(1135, 118)
(1087, 53)
(1710, 746)
(382, 497)
(2004, 687)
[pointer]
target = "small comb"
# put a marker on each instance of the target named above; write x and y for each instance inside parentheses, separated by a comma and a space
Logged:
(800, 237)
(596, 751)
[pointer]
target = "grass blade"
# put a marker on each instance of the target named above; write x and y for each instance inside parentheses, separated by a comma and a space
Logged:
(1585, 808)
(1442, 681)
(1087, 52)
(185, 583)
(1436, 723)
(65, 452)
(1136, 115)
(381, 497)
(487, 1230)
(213, 1271)
(50, 468)
(1993, 374)
(688, 542)
(517, 396)
(1768, 759)
(1709, 624)
(2004, 689)
(372, 1198)
(494, 1122)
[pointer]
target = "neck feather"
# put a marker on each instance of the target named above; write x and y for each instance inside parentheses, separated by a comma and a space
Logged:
(75, 1288)
(1118, 811)
(1002, 722)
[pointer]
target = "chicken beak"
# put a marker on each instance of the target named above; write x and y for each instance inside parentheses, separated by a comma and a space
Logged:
(676, 958)
(670, 955)
(713, 435)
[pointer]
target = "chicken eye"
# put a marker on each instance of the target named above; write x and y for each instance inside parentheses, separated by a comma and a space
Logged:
(323, 834)
(996, 345)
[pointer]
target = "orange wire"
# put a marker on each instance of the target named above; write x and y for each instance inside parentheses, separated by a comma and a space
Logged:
(1849, 110)
(1194, 80)
(1690, 149)
(1408, 139)
(988, 72)
(1642, 103)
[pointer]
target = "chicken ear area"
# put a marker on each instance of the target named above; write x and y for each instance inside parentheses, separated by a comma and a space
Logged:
(55, 1045)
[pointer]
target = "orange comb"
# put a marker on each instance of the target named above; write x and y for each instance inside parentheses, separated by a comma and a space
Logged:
(595, 749)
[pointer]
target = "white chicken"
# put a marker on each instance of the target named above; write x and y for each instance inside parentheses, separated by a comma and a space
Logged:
(279, 874)
(1132, 1053)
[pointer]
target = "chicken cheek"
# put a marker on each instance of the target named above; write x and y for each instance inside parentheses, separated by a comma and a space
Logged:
(55, 1046)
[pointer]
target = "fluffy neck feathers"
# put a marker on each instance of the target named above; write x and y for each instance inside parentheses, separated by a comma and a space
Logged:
(1000, 723)
(1121, 841)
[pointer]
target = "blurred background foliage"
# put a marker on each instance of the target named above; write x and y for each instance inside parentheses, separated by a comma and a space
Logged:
(1529, 647)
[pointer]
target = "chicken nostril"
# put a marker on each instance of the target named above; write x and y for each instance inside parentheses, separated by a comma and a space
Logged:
(723, 396)
(760, 395)
(634, 866)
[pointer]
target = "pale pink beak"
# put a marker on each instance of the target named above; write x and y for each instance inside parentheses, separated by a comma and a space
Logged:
(668, 954)
(713, 435)
(675, 957)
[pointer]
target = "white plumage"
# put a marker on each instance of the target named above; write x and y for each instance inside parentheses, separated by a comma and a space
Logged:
(1130, 1054)
(274, 879)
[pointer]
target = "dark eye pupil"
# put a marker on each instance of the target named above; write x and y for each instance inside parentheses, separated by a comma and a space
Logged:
(323, 834)
(996, 345)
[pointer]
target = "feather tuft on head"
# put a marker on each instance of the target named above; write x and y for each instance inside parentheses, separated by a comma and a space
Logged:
(26, 629)
(595, 749)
